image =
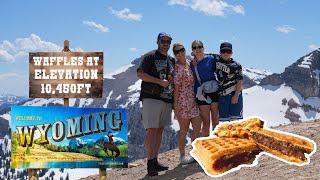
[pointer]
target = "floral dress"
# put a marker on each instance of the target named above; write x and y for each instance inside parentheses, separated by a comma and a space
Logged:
(187, 107)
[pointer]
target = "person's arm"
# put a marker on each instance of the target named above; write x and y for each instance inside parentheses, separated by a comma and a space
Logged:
(142, 73)
(148, 78)
(238, 89)
(235, 97)
(177, 79)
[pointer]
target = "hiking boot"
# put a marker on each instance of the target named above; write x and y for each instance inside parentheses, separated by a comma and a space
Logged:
(186, 159)
(151, 168)
(160, 167)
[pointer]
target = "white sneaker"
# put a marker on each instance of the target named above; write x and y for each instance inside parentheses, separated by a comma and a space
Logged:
(186, 159)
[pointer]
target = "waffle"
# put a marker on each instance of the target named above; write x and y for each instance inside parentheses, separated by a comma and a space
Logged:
(239, 129)
(284, 146)
(218, 155)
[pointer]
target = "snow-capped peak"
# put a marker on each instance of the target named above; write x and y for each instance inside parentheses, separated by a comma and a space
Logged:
(255, 74)
(118, 71)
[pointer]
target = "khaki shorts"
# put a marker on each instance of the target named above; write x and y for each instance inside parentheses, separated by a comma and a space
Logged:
(155, 113)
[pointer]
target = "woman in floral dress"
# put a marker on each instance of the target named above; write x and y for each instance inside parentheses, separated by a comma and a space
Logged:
(185, 106)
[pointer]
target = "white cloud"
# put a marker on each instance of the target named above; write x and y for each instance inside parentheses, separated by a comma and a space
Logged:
(314, 47)
(178, 2)
(96, 26)
(20, 48)
(125, 14)
(209, 7)
(133, 49)
(6, 56)
(238, 9)
(10, 75)
(285, 29)
(10, 51)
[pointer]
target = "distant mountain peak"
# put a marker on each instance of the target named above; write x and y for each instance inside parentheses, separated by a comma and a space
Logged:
(310, 60)
(255, 74)
(303, 75)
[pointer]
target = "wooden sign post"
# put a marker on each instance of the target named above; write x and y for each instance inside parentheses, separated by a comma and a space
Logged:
(66, 49)
(102, 172)
(42, 85)
(32, 173)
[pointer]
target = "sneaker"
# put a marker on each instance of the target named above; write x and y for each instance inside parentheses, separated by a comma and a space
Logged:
(186, 159)
(160, 167)
(151, 168)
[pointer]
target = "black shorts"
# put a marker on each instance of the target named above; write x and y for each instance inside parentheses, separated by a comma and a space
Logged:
(213, 96)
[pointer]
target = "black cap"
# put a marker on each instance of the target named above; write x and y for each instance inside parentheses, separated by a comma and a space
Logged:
(163, 34)
(225, 45)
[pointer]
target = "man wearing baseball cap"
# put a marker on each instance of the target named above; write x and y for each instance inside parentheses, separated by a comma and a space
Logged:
(229, 73)
(155, 71)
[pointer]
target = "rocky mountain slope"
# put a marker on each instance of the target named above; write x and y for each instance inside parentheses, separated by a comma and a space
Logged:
(267, 168)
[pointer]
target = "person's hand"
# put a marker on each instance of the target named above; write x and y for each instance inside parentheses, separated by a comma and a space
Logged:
(176, 114)
(164, 83)
(194, 62)
(170, 78)
(234, 99)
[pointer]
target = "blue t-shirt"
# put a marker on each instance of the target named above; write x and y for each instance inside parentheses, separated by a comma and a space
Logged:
(206, 70)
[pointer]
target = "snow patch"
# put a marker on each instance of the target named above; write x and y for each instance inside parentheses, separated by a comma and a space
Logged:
(43, 102)
(174, 123)
(6, 116)
(317, 75)
(266, 102)
(108, 99)
(307, 61)
(72, 102)
(85, 102)
(131, 100)
(118, 97)
(135, 87)
(73, 173)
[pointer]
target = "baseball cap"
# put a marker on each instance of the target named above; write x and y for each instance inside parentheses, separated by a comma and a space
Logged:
(163, 34)
(225, 45)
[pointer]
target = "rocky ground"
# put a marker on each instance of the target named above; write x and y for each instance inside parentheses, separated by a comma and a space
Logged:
(267, 168)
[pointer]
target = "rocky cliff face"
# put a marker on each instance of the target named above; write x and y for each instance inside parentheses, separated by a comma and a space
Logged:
(4, 124)
(273, 79)
(302, 75)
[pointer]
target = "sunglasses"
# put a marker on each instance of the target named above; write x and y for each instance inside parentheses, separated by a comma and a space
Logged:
(228, 51)
(162, 41)
(179, 51)
(197, 47)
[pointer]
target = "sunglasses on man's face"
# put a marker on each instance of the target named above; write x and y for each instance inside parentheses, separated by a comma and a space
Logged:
(228, 51)
(163, 41)
(197, 47)
(177, 51)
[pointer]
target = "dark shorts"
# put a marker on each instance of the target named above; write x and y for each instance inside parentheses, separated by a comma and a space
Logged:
(213, 96)
(228, 111)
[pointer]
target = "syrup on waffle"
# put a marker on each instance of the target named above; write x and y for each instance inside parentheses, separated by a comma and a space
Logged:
(218, 155)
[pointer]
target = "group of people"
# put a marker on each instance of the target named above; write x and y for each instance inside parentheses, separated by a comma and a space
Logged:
(200, 88)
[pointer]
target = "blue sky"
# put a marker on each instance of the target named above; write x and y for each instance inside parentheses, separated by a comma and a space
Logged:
(266, 35)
